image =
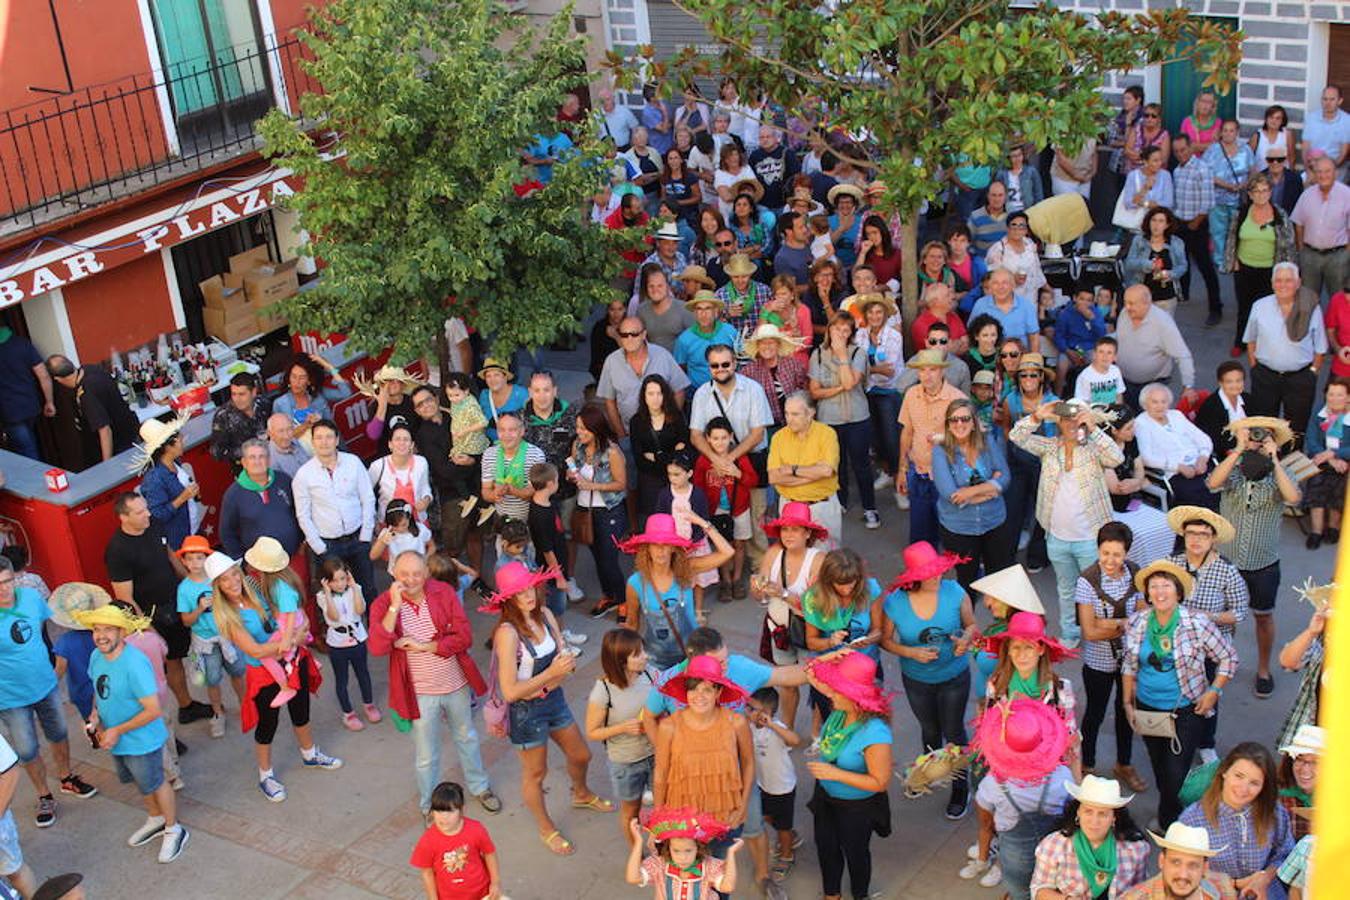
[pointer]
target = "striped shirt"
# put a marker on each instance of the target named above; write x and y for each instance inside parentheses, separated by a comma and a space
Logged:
(1218, 588)
(1192, 189)
(986, 230)
(1057, 867)
(1196, 639)
(431, 674)
(1098, 655)
(1254, 508)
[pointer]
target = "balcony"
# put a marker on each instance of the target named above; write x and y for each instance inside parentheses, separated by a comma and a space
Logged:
(62, 156)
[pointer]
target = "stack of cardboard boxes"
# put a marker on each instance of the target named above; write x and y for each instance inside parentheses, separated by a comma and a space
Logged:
(241, 304)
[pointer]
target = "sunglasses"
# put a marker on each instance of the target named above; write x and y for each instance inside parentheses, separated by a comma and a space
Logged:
(938, 342)
(1028, 374)
(960, 420)
(1010, 355)
(720, 365)
(724, 243)
(1151, 116)
(630, 334)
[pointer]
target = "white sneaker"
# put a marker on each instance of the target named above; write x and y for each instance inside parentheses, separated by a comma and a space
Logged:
(973, 851)
(572, 637)
(882, 480)
(176, 782)
(648, 798)
(217, 726)
(902, 500)
(871, 521)
(993, 877)
(153, 828)
(974, 868)
(574, 593)
(173, 844)
(1208, 755)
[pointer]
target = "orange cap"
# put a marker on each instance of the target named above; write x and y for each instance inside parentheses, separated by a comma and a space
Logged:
(194, 543)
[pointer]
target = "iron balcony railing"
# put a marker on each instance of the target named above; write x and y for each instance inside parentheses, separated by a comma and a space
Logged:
(74, 152)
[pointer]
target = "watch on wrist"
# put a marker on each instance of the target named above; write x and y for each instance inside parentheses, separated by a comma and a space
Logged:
(794, 471)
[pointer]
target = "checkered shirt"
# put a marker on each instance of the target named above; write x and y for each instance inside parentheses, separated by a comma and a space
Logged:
(1192, 189)
(1254, 508)
(1057, 867)
(1195, 640)
(1219, 588)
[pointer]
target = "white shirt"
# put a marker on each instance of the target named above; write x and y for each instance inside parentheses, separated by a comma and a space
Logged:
(385, 480)
(747, 408)
(1027, 263)
(343, 615)
(195, 511)
(1068, 517)
(1166, 447)
(773, 762)
(1236, 411)
(330, 504)
(1267, 330)
(990, 795)
(409, 540)
(1090, 381)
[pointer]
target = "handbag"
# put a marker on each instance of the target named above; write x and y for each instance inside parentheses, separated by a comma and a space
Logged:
(1125, 217)
(725, 524)
(1158, 724)
(583, 526)
(496, 711)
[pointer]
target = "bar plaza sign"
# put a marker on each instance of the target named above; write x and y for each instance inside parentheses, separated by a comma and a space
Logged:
(45, 271)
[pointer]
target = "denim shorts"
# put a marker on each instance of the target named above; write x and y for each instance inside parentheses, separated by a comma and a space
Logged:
(631, 779)
(532, 721)
(754, 815)
(21, 729)
(145, 770)
(11, 855)
(214, 666)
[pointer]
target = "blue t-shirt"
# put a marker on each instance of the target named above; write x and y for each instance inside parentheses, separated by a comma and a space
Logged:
(284, 598)
(939, 632)
(748, 674)
(515, 402)
(1159, 690)
(985, 664)
(26, 673)
(20, 400)
(257, 629)
(1019, 322)
(118, 686)
(873, 731)
(189, 592)
(75, 648)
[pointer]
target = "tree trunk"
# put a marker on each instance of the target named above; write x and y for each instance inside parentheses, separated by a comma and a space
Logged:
(909, 271)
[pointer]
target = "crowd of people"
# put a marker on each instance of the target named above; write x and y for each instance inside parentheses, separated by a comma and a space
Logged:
(755, 386)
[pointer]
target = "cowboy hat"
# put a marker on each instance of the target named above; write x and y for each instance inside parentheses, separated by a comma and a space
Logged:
(1011, 587)
(217, 564)
(749, 186)
(1309, 740)
(1189, 839)
(1178, 516)
(494, 363)
(114, 615)
(1141, 577)
(1095, 791)
(1279, 428)
(770, 332)
(1022, 740)
(1027, 626)
(795, 515)
(193, 543)
(697, 274)
(512, 579)
(928, 358)
(740, 264)
(665, 823)
(1033, 360)
(668, 231)
(267, 555)
(923, 562)
(704, 668)
(660, 529)
(860, 302)
(852, 675)
(705, 298)
(154, 435)
(73, 598)
(1073, 407)
(851, 190)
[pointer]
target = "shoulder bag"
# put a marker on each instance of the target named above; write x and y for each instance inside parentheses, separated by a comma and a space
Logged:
(1125, 217)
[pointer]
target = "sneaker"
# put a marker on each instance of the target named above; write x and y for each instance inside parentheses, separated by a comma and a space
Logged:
(882, 481)
(1208, 755)
(812, 751)
(871, 521)
(484, 514)
(272, 789)
(352, 722)
(153, 828)
(1035, 567)
(195, 712)
(572, 637)
(321, 760)
(490, 802)
(372, 712)
(174, 842)
(603, 606)
(993, 877)
(77, 787)
(176, 782)
(973, 851)
(1265, 686)
(217, 726)
(46, 811)
(466, 506)
(1314, 541)
(901, 501)
(974, 868)
(648, 798)
(1214, 318)
(956, 809)
(771, 889)
(574, 593)
(1235, 352)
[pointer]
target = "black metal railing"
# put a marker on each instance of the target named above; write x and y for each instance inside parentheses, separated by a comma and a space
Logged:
(70, 153)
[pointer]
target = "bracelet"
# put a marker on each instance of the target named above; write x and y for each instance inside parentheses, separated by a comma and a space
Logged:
(1218, 691)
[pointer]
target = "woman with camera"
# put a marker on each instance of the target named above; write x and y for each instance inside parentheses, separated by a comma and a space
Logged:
(971, 474)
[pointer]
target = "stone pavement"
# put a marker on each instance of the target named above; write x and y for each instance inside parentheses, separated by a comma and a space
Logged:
(347, 834)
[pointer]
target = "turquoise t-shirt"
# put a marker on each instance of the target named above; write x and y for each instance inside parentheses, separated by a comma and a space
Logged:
(118, 686)
(748, 674)
(1159, 690)
(284, 598)
(856, 623)
(873, 731)
(257, 629)
(939, 632)
(189, 592)
(26, 673)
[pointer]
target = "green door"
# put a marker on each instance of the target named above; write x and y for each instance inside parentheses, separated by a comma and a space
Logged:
(201, 42)
(1180, 84)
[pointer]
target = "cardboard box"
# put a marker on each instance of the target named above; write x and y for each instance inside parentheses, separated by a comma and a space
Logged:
(223, 292)
(269, 319)
(250, 259)
(269, 283)
(230, 330)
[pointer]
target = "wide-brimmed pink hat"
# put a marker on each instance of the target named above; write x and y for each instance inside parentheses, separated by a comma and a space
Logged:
(666, 823)
(853, 675)
(1022, 740)
(1025, 626)
(660, 530)
(512, 579)
(923, 562)
(706, 668)
(795, 515)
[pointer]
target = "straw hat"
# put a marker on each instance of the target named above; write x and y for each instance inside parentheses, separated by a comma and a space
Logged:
(154, 435)
(114, 615)
(1141, 577)
(193, 543)
(923, 562)
(705, 298)
(1095, 791)
(1279, 428)
(73, 598)
(860, 302)
(1178, 516)
(852, 675)
(493, 363)
(696, 274)
(851, 190)
(933, 769)
(1071, 408)
(1033, 361)
(705, 668)
(660, 529)
(665, 823)
(1187, 839)
(217, 564)
(1011, 587)
(749, 186)
(668, 231)
(771, 332)
(740, 264)
(876, 189)
(1319, 595)
(929, 358)
(267, 555)
(1022, 740)
(514, 578)
(1027, 626)
(795, 515)
(386, 373)
(1309, 740)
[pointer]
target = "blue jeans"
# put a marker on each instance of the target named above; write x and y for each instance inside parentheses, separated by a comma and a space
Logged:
(885, 408)
(1069, 559)
(214, 667)
(610, 525)
(356, 554)
(940, 708)
(923, 514)
(532, 721)
(22, 438)
(555, 600)
(458, 714)
(631, 779)
(21, 725)
(855, 444)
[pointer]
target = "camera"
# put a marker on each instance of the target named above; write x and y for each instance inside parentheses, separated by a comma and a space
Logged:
(1258, 434)
(976, 479)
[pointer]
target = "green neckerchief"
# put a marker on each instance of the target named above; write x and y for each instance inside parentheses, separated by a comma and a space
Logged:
(511, 471)
(998, 626)
(705, 335)
(5, 333)
(1159, 637)
(984, 363)
(834, 734)
(775, 318)
(1024, 687)
(1303, 797)
(248, 484)
(1098, 863)
(559, 407)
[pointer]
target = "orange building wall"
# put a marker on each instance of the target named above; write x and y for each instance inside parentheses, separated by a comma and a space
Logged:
(120, 308)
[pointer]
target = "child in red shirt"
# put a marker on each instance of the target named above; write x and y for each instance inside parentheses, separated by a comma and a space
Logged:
(728, 497)
(457, 857)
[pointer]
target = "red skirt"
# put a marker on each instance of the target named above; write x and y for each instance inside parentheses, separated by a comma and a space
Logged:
(257, 678)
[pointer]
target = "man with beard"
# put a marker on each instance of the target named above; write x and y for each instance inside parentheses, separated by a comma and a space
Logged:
(1183, 869)
(773, 166)
(1254, 488)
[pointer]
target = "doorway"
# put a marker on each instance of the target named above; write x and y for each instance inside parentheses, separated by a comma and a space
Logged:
(1180, 84)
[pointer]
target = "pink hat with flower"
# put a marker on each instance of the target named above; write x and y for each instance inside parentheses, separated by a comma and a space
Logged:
(922, 562)
(514, 578)
(1022, 740)
(660, 530)
(795, 515)
(852, 675)
(1026, 626)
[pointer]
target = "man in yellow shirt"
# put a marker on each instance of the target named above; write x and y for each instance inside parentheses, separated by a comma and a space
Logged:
(923, 415)
(804, 463)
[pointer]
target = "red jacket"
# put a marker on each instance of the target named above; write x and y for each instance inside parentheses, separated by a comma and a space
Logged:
(615, 222)
(455, 640)
(707, 480)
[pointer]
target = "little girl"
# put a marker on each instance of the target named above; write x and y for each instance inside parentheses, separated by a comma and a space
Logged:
(282, 591)
(727, 498)
(399, 534)
(468, 441)
(679, 499)
(341, 603)
(679, 865)
(216, 657)
(792, 317)
(821, 245)
(456, 855)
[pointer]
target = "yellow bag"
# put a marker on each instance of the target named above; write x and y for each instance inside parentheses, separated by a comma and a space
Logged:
(1059, 220)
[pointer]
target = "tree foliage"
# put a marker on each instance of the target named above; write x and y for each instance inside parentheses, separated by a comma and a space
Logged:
(930, 82)
(408, 158)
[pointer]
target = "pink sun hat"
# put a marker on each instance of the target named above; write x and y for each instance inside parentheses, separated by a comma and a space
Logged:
(1022, 740)
(1026, 626)
(660, 530)
(795, 515)
(705, 668)
(854, 675)
(922, 562)
(512, 579)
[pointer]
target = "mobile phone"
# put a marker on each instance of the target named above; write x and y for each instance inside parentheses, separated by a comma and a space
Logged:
(858, 641)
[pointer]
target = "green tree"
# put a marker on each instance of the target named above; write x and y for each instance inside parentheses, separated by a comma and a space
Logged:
(931, 82)
(408, 159)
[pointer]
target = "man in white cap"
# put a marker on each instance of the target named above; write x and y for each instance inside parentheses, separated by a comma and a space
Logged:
(1183, 869)
(668, 256)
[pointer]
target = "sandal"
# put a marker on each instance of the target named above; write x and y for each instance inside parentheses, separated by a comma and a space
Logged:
(781, 868)
(595, 802)
(558, 844)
